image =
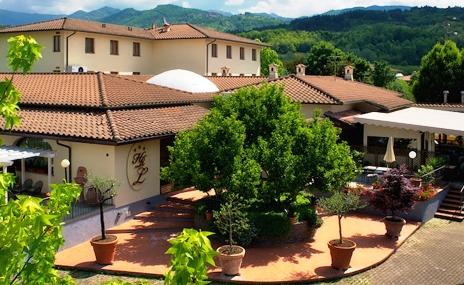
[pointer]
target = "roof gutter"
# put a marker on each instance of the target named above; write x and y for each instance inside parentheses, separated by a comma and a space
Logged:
(207, 55)
(67, 50)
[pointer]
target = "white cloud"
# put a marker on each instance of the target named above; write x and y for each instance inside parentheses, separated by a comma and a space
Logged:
(186, 4)
(234, 2)
(298, 8)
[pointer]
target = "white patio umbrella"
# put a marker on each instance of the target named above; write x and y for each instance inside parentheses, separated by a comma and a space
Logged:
(389, 156)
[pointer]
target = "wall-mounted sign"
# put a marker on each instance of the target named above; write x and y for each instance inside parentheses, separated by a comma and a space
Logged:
(137, 166)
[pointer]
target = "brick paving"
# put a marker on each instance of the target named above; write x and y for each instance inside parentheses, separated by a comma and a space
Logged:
(433, 255)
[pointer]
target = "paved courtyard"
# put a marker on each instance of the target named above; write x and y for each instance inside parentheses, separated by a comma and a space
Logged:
(433, 255)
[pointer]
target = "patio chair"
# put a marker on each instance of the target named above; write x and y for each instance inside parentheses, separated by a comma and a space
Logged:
(26, 187)
(37, 189)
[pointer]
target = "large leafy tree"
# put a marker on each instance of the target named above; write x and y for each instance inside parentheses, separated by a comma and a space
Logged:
(441, 69)
(30, 228)
(256, 143)
(269, 56)
(382, 74)
(325, 59)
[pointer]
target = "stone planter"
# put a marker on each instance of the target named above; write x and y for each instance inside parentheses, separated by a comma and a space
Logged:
(393, 225)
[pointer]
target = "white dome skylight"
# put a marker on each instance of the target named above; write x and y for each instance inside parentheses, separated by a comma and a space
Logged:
(184, 80)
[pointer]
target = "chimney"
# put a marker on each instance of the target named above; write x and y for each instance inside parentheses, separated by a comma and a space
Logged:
(445, 96)
(273, 71)
(166, 26)
(225, 71)
(349, 72)
(462, 97)
(300, 70)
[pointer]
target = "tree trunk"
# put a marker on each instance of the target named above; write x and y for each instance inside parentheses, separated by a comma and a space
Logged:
(102, 223)
(340, 228)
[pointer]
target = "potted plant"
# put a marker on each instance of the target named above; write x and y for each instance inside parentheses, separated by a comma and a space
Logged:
(230, 219)
(340, 204)
(104, 245)
(395, 194)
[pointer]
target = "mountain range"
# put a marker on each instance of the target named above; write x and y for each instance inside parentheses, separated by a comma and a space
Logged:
(219, 20)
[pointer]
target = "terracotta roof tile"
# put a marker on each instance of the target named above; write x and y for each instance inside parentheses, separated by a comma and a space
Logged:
(88, 125)
(97, 90)
(82, 26)
(133, 124)
(123, 91)
(110, 126)
(353, 91)
(225, 36)
(439, 105)
(57, 88)
(176, 31)
(179, 31)
(232, 82)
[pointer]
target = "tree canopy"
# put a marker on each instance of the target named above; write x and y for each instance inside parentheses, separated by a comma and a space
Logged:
(269, 56)
(256, 143)
(442, 68)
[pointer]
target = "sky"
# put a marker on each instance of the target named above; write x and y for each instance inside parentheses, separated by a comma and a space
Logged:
(287, 8)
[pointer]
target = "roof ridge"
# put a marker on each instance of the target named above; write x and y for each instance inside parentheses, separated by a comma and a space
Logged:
(112, 125)
(325, 93)
(37, 22)
(102, 90)
(197, 29)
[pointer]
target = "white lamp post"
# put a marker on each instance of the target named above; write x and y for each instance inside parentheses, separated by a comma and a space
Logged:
(412, 155)
(65, 164)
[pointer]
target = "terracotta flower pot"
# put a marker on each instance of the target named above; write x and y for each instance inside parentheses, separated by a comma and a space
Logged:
(341, 253)
(416, 182)
(230, 262)
(393, 225)
(104, 249)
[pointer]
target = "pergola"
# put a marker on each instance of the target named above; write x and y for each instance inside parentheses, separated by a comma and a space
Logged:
(8, 154)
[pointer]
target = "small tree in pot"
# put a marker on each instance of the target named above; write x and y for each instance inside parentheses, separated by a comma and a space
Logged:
(340, 204)
(231, 220)
(104, 245)
(395, 194)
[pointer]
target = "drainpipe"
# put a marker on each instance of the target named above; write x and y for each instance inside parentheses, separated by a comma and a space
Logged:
(69, 178)
(207, 55)
(67, 49)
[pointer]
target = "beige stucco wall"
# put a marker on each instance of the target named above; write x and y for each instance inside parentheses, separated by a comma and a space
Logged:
(105, 161)
(50, 60)
(179, 54)
(237, 66)
(151, 185)
(102, 60)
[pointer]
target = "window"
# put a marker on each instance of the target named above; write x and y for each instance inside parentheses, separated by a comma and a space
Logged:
(229, 51)
(242, 53)
(114, 72)
(56, 43)
(136, 49)
(136, 73)
(214, 74)
(253, 54)
(214, 50)
(114, 47)
(89, 45)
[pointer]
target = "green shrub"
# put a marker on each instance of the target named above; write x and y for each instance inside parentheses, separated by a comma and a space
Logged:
(233, 223)
(271, 224)
(301, 206)
(311, 217)
(191, 254)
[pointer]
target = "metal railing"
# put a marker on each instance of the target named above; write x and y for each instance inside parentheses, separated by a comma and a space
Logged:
(81, 209)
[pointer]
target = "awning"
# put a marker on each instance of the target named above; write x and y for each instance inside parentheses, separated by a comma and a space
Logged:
(417, 119)
(11, 153)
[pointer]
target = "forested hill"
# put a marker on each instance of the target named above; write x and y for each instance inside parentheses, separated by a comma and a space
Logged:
(400, 37)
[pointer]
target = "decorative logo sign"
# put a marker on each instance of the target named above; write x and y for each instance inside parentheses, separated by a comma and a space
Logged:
(137, 168)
